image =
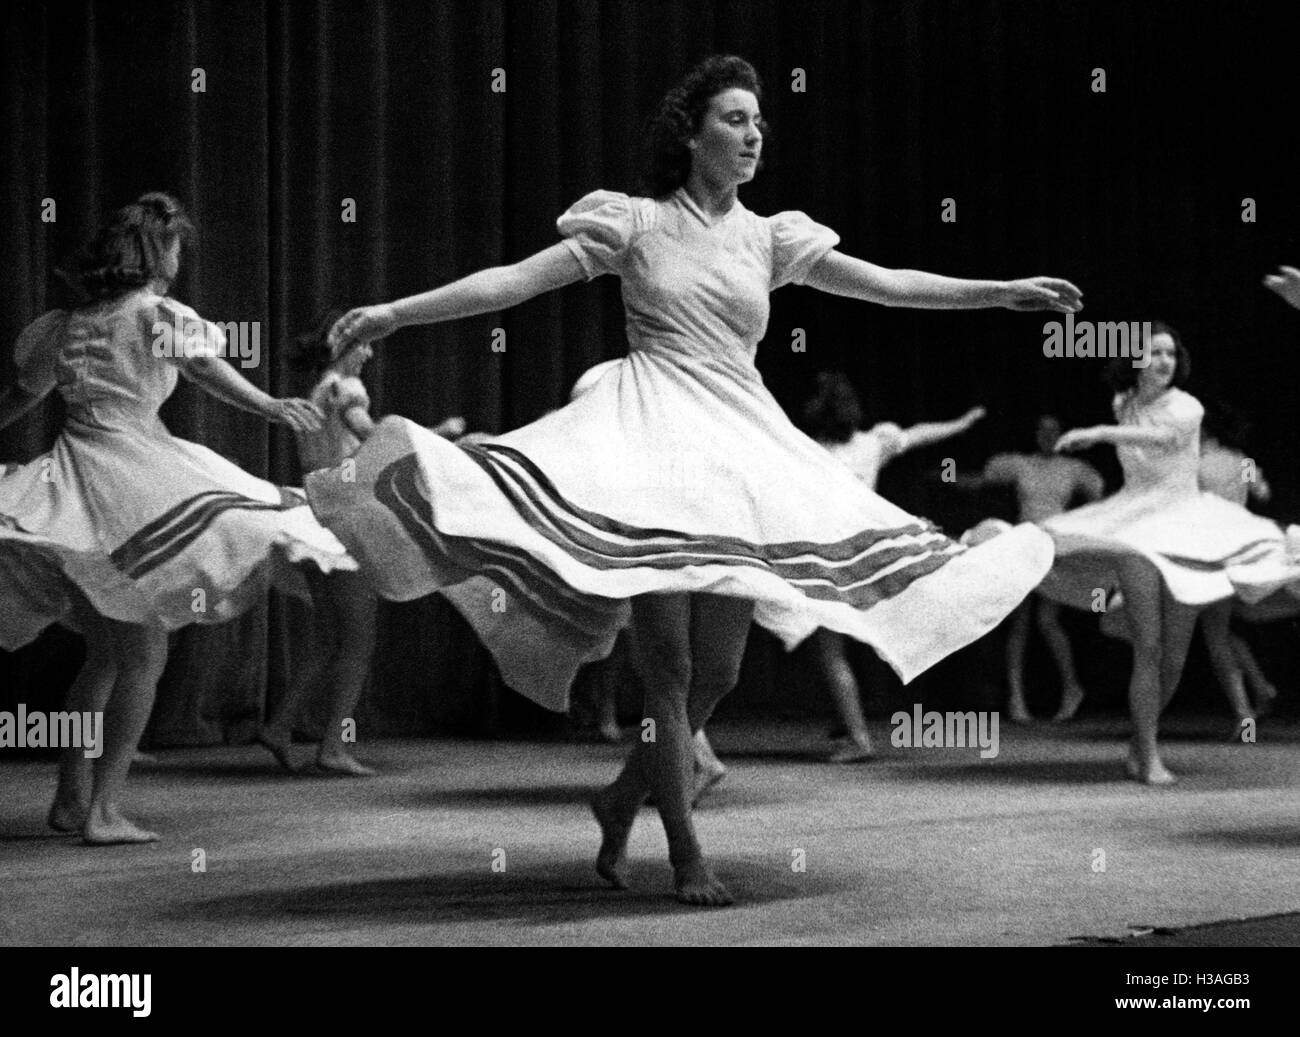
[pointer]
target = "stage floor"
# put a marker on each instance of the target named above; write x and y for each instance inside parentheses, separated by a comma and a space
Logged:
(465, 842)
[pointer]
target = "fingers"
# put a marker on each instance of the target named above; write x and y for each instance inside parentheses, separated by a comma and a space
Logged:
(345, 331)
(301, 415)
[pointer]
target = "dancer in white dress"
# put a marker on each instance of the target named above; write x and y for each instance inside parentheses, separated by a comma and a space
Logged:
(1046, 484)
(675, 486)
(122, 530)
(1171, 548)
(833, 416)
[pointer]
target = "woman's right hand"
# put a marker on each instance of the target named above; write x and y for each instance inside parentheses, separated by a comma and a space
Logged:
(299, 415)
(363, 324)
(1077, 439)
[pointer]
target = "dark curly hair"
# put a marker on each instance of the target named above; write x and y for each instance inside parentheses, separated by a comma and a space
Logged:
(681, 113)
(1121, 375)
(310, 352)
(130, 249)
(833, 413)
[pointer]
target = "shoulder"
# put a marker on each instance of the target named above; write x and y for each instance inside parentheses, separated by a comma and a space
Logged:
(631, 213)
(1184, 404)
(40, 337)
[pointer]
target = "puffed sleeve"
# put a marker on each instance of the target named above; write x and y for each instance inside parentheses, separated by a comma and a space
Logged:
(1184, 413)
(598, 229)
(891, 440)
(181, 334)
(37, 352)
(798, 243)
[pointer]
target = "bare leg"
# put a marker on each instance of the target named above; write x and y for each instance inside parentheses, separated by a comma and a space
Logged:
(1058, 643)
(355, 607)
(1017, 643)
(1143, 591)
(89, 694)
(832, 659)
(687, 651)
(709, 770)
(607, 712)
(276, 735)
(1214, 627)
(141, 654)
(1265, 693)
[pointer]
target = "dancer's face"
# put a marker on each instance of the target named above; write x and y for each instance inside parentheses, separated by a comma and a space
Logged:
(1049, 431)
(726, 148)
(1159, 373)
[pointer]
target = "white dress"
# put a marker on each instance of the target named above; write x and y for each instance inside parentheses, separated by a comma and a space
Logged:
(676, 470)
(1206, 549)
(150, 528)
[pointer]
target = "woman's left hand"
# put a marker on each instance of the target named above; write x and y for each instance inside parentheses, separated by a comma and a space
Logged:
(1041, 293)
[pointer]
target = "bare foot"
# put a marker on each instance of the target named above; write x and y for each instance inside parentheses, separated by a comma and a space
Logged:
(140, 757)
(705, 779)
(1240, 727)
(1071, 700)
(610, 732)
(1153, 772)
(343, 763)
(277, 747)
(615, 829)
(696, 884)
(67, 817)
(107, 827)
(1265, 698)
(852, 751)
(1018, 714)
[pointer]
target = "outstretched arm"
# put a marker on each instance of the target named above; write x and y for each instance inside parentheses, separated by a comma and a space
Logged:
(1116, 435)
(929, 432)
(487, 291)
(1286, 282)
(217, 378)
(15, 401)
(839, 274)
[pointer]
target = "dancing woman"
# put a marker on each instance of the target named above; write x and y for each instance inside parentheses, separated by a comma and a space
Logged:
(675, 488)
(123, 531)
(1046, 484)
(833, 417)
(1170, 548)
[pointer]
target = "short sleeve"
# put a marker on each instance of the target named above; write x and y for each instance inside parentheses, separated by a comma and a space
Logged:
(1183, 413)
(798, 244)
(37, 352)
(890, 441)
(186, 333)
(598, 229)
(1003, 468)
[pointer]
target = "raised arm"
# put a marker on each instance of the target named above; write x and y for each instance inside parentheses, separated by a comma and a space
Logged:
(844, 275)
(487, 291)
(15, 401)
(929, 432)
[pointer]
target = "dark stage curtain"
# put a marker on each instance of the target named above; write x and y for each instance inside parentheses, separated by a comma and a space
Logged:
(1135, 193)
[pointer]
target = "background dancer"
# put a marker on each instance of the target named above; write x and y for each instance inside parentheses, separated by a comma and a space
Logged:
(122, 529)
